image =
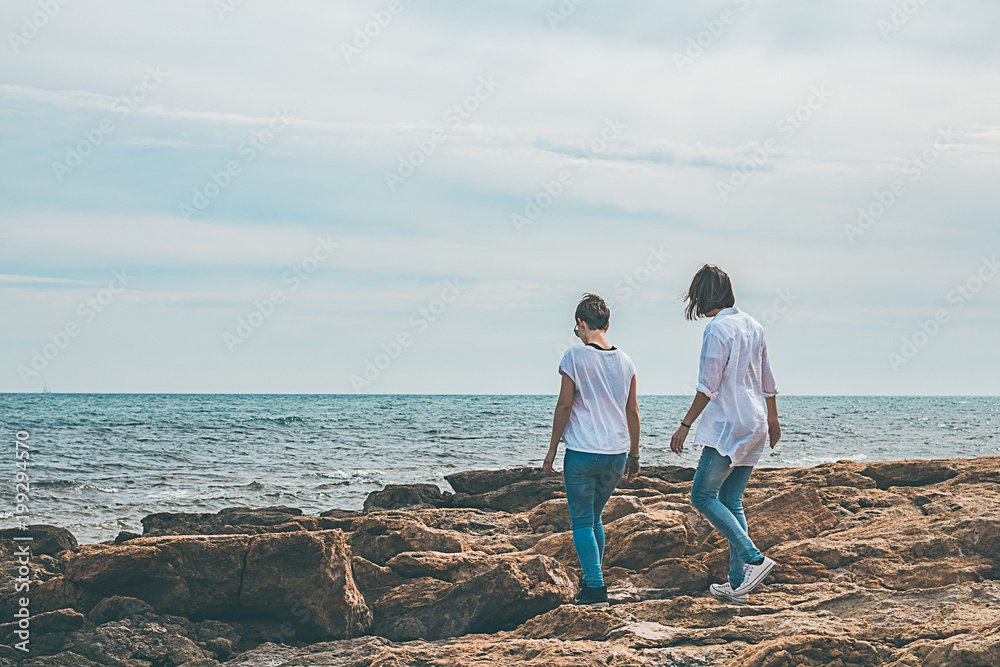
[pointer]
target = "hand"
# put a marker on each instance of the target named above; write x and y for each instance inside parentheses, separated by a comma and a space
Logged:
(773, 431)
(631, 469)
(677, 441)
(547, 464)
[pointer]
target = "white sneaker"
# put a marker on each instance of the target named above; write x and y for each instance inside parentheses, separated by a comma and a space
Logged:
(753, 575)
(725, 591)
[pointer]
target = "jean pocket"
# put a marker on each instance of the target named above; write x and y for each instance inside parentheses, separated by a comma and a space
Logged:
(578, 463)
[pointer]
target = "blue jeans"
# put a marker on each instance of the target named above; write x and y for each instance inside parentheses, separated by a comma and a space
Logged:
(717, 493)
(590, 480)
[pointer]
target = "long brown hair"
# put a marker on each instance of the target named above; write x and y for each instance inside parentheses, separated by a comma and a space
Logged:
(710, 289)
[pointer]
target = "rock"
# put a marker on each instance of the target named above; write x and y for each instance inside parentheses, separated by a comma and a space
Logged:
(238, 521)
(341, 514)
(477, 482)
(683, 575)
(379, 537)
(793, 515)
(909, 473)
(901, 575)
(118, 608)
(303, 578)
(517, 497)
(374, 580)
(671, 474)
(64, 659)
(62, 620)
(125, 536)
(45, 539)
(559, 546)
(159, 641)
(396, 496)
(811, 650)
(638, 540)
(508, 593)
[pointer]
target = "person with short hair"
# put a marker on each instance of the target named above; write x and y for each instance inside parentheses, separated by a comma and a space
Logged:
(735, 382)
(597, 415)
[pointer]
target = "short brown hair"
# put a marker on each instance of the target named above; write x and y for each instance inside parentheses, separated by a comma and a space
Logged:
(593, 311)
(710, 289)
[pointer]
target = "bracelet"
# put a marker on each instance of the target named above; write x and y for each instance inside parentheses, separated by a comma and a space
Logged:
(687, 426)
(634, 458)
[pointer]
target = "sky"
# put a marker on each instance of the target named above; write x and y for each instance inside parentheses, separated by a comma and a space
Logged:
(390, 196)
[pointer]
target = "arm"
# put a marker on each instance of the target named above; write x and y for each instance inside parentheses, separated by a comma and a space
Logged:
(632, 417)
(697, 405)
(773, 427)
(564, 406)
(770, 391)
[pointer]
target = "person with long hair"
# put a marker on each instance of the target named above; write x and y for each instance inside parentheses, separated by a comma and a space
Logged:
(734, 384)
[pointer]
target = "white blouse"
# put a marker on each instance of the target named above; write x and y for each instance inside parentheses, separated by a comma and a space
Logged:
(736, 374)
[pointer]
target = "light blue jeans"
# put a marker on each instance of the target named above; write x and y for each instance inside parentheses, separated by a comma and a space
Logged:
(590, 480)
(717, 493)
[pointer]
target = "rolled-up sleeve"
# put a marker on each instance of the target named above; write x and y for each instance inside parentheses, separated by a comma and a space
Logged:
(768, 385)
(714, 356)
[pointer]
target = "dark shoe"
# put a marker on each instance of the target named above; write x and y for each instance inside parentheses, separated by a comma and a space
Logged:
(592, 597)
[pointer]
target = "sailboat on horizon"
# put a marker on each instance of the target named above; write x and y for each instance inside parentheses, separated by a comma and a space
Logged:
(45, 388)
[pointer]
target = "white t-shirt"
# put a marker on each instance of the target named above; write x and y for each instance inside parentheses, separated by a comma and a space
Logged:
(736, 374)
(603, 379)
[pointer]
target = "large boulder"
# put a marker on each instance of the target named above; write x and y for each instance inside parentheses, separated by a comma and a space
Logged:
(45, 540)
(477, 482)
(378, 537)
(238, 521)
(505, 591)
(638, 540)
(796, 514)
(909, 473)
(517, 497)
(303, 578)
(396, 496)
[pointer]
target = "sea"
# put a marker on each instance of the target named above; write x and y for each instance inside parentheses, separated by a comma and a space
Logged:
(100, 462)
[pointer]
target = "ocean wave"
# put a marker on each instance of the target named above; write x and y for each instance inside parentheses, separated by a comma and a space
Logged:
(74, 485)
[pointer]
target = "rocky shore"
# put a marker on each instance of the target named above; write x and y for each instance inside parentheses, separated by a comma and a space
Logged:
(887, 563)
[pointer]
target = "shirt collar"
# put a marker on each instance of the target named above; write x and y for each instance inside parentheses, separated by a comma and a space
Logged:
(732, 310)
